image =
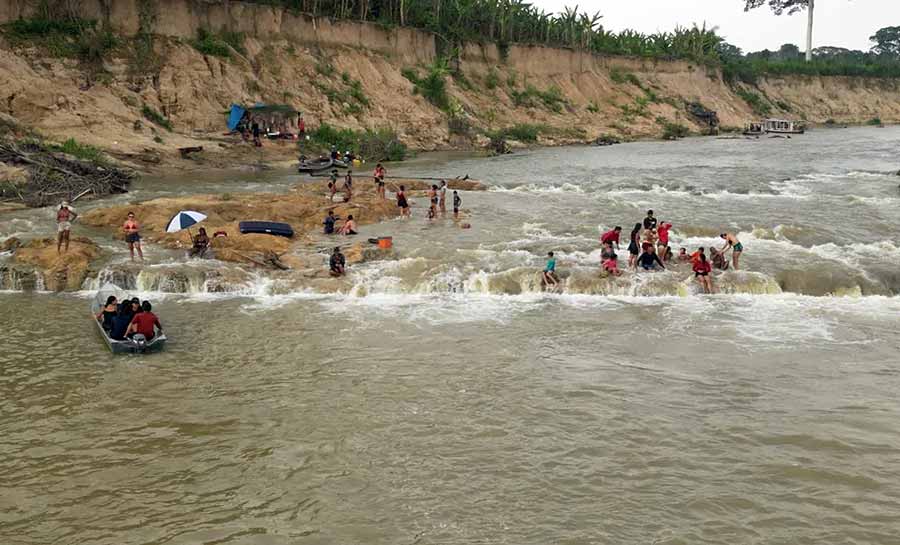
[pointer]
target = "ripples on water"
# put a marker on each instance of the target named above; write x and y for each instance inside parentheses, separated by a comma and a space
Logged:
(467, 417)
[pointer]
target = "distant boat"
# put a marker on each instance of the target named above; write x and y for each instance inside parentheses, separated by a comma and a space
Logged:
(754, 129)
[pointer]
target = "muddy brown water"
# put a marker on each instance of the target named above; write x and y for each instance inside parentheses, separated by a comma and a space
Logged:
(444, 401)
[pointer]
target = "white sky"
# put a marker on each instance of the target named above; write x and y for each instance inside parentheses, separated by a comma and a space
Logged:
(841, 23)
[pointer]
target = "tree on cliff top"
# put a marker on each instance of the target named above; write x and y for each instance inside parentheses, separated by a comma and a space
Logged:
(887, 41)
(792, 7)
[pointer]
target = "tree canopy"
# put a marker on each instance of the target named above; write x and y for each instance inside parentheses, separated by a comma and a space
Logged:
(887, 42)
(778, 6)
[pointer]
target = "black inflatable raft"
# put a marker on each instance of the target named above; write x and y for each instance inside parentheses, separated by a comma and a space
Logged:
(267, 228)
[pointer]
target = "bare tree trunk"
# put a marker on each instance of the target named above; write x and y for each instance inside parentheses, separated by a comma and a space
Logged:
(809, 31)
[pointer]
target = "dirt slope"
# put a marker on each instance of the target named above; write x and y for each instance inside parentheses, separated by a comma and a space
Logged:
(312, 65)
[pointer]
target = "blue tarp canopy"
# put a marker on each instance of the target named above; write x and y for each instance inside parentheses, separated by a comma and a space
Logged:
(237, 113)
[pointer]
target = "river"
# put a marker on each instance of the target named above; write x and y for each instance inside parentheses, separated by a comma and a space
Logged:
(445, 399)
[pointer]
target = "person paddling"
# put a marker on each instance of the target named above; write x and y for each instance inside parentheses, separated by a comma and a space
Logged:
(133, 236)
(731, 241)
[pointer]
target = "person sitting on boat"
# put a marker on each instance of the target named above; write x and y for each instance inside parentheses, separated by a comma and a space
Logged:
(336, 263)
(122, 321)
(108, 313)
(349, 227)
(200, 244)
(144, 322)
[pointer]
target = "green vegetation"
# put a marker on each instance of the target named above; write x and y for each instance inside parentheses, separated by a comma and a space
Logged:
(69, 37)
(592, 107)
(875, 122)
(156, 118)
(81, 151)
(551, 98)
(219, 44)
(492, 79)
(373, 145)
(672, 131)
(759, 105)
(433, 87)
(350, 97)
(620, 76)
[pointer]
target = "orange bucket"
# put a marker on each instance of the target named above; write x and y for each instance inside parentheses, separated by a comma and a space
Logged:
(385, 243)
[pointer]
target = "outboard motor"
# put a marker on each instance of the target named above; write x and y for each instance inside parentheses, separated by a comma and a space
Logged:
(140, 341)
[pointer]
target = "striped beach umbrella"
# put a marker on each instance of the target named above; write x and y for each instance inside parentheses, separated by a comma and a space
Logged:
(183, 220)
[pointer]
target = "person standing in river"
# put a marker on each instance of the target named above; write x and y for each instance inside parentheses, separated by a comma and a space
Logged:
(133, 235)
(662, 232)
(611, 237)
(731, 241)
(649, 221)
(65, 215)
(442, 196)
(348, 186)
(634, 246)
(402, 203)
(457, 202)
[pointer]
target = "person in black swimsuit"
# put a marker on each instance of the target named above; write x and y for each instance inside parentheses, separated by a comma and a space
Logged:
(634, 246)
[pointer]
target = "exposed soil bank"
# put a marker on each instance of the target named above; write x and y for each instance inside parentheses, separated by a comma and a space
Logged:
(311, 64)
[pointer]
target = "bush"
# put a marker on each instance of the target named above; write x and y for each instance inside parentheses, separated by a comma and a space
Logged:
(672, 131)
(620, 76)
(433, 87)
(492, 79)
(373, 145)
(875, 122)
(523, 132)
(155, 117)
(78, 150)
(219, 45)
(756, 102)
(552, 98)
(592, 108)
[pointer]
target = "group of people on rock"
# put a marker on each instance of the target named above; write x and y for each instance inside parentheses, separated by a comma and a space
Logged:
(347, 187)
(649, 250)
(124, 319)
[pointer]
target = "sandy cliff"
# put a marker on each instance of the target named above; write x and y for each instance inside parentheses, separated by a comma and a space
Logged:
(311, 63)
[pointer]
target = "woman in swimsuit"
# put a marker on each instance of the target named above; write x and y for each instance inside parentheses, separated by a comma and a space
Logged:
(108, 313)
(702, 269)
(433, 195)
(133, 236)
(737, 248)
(401, 201)
(634, 246)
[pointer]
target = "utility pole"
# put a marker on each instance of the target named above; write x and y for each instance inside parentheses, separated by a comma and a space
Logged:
(809, 30)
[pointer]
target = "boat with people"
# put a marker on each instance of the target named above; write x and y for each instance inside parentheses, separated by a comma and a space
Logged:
(137, 344)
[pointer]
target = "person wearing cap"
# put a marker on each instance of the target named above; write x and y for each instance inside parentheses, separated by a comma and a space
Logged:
(65, 215)
(336, 263)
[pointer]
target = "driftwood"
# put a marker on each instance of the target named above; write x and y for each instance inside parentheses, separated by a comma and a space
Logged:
(53, 177)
